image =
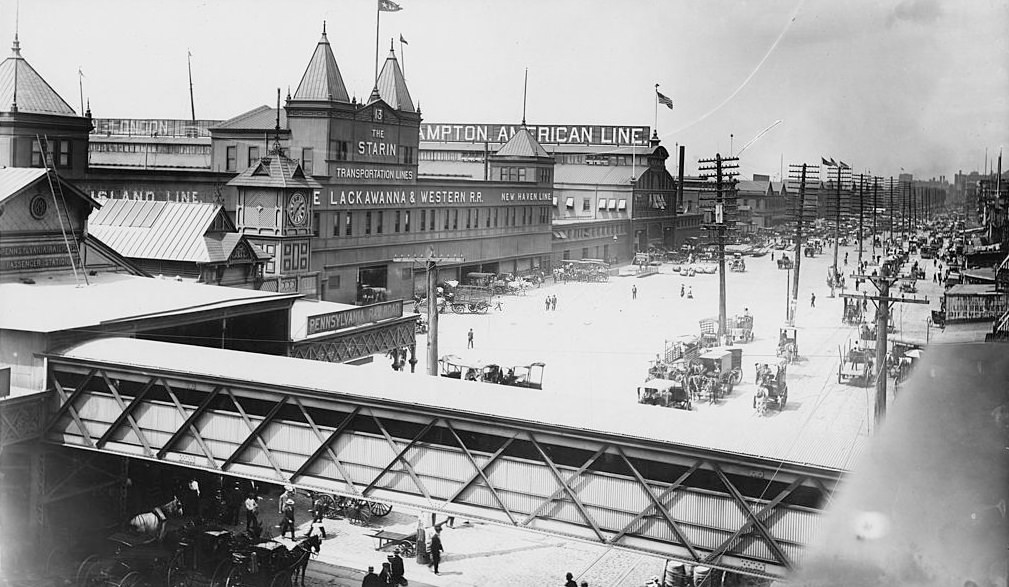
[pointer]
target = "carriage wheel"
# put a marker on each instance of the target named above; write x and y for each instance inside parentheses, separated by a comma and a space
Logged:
(482, 307)
(220, 574)
(175, 568)
(459, 308)
(130, 579)
(409, 548)
(736, 377)
(233, 578)
(379, 509)
(329, 507)
(87, 570)
(363, 513)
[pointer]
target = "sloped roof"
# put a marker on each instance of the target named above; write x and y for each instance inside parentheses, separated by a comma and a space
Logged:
(620, 175)
(392, 85)
(260, 118)
(275, 171)
(33, 93)
(14, 180)
(322, 79)
(752, 187)
(522, 144)
(169, 231)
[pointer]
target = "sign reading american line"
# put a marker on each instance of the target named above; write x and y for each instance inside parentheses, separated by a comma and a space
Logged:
(548, 134)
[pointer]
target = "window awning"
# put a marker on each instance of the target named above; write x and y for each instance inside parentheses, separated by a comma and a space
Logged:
(602, 203)
(613, 204)
(622, 205)
(559, 235)
(570, 203)
(555, 200)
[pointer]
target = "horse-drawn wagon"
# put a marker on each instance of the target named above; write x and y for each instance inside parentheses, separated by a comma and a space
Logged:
(788, 343)
(855, 363)
(784, 262)
(714, 373)
(772, 389)
(472, 299)
(667, 393)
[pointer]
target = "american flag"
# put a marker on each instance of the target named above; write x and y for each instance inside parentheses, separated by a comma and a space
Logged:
(388, 6)
(663, 99)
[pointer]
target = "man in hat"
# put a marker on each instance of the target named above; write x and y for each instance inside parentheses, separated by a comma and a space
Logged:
(318, 511)
(287, 521)
(396, 566)
(371, 579)
(282, 500)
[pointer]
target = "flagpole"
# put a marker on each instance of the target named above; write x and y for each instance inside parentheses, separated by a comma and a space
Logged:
(80, 83)
(402, 56)
(192, 104)
(378, 20)
(655, 128)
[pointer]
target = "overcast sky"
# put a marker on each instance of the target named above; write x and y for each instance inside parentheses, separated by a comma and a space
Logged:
(921, 85)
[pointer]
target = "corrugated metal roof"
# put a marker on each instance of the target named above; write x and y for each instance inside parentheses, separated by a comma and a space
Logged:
(15, 179)
(392, 85)
(322, 79)
(616, 175)
(275, 171)
(33, 93)
(169, 231)
(522, 144)
(260, 118)
(810, 445)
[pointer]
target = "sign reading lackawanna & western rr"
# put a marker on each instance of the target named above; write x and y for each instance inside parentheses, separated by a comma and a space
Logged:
(354, 317)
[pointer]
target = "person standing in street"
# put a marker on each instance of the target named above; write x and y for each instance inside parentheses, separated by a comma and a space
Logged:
(396, 564)
(812, 300)
(318, 509)
(546, 303)
(287, 519)
(634, 292)
(371, 579)
(683, 290)
(570, 581)
(251, 512)
(282, 500)
(469, 339)
(436, 550)
(553, 302)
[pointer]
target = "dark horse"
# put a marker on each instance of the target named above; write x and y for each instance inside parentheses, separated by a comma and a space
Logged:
(152, 524)
(301, 553)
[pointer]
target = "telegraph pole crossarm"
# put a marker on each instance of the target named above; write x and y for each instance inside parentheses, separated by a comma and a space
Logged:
(883, 282)
(430, 262)
(721, 216)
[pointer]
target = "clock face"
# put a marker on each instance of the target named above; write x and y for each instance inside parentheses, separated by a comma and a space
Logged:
(297, 209)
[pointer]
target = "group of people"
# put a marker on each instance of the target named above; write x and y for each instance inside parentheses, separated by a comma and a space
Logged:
(569, 581)
(392, 573)
(550, 303)
(686, 291)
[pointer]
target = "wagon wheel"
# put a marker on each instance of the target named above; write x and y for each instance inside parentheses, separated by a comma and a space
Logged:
(363, 513)
(329, 506)
(408, 548)
(379, 509)
(482, 307)
(87, 570)
(175, 568)
(459, 308)
(220, 574)
(131, 579)
(56, 556)
(736, 377)
(234, 577)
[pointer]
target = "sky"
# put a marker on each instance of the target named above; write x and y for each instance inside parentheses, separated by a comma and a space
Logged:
(915, 85)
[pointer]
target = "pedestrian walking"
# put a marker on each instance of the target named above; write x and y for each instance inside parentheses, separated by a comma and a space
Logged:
(812, 300)
(570, 580)
(385, 577)
(318, 512)
(251, 512)
(683, 290)
(371, 579)
(546, 303)
(396, 564)
(772, 255)
(436, 550)
(634, 292)
(553, 303)
(469, 339)
(287, 518)
(690, 292)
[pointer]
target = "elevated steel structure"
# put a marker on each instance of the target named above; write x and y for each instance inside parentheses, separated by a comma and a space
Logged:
(425, 442)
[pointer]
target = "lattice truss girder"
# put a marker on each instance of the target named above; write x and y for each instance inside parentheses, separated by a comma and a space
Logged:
(694, 505)
(355, 346)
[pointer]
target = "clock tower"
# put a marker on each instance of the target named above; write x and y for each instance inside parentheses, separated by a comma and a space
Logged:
(274, 210)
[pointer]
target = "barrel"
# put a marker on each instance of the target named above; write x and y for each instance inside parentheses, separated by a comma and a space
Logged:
(707, 577)
(675, 575)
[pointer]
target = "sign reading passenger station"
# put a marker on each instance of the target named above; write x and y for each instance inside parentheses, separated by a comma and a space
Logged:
(354, 317)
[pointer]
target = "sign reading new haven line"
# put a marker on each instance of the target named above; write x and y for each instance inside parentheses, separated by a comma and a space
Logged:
(354, 317)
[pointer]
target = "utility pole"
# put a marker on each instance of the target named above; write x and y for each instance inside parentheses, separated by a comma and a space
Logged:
(875, 192)
(861, 215)
(801, 177)
(889, 210)
(883, 282)
(721, 215)
(840, 165)
(431, 262)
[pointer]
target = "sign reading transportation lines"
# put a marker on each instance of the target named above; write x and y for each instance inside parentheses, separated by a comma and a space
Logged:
(547, 134)
(354, 317)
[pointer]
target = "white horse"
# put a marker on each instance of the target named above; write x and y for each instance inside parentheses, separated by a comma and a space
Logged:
(152, 524)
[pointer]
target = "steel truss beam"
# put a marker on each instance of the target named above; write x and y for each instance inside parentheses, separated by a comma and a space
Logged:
(472, 465)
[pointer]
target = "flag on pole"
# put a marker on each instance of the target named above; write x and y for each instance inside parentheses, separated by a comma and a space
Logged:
(388, 6)
(663, 99)
(402, 40)
(844, 165)
(828, 163)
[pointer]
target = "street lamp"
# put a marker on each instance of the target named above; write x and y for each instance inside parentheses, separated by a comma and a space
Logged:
(787, 268)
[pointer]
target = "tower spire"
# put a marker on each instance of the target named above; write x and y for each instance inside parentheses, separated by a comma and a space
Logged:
(525, 88)
(16, 51)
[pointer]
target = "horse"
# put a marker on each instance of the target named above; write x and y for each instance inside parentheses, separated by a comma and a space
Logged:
(153, 523)
(301, 553)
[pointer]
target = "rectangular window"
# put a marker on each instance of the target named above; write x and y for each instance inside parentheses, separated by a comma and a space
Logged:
(487, 220)
(307, 160)
(378, 223)
(495, 217)
(63, 157)
(336, 224)
(271, 265)
(395, 224)
(469, 217)
(522, 174)
(455, 219)
(339, 150)
(315, 224)
(446, 219)
(231, 159)
(253, 155)
(423, 220)
(36, 154)
(431, 220)
(406, 221)
(349, 226)
(586, 204)
(367, 222)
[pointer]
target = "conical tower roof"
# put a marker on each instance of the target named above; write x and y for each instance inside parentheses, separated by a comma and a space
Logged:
(392, 85)
(322, 79)
(522, 144)
(33, 93)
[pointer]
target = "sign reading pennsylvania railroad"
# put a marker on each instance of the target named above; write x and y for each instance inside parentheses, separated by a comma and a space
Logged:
(354, 317)
(546, 134)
